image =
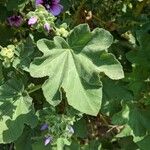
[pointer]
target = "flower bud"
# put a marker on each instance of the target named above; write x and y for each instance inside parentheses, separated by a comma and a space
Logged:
(48, 140)
(47, 27)
(44, 127)
(32, 20)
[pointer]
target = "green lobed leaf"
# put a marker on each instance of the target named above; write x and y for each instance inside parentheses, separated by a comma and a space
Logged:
(114, 93)
(15, 110)
(73, 65)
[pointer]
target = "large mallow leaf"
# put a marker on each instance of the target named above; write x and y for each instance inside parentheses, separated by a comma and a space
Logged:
(15, 110)
(74, 66)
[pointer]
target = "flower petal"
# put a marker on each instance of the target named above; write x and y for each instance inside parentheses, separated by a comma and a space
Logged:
(37, 2)
(10, 22)
(44, 127)
(56, 9)
(47, 140)
(55, 1)
(32, 20)
(47, 27)
(15, 21)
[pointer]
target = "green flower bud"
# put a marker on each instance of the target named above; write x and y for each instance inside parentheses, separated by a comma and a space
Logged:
(8, 52)
(62, 32)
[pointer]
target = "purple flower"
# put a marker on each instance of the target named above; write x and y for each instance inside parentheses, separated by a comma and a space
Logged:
(47, 140)
(51, 5)
(44, 127)
(47, 27)
(37, 2)
(32, 20)
(15, 21)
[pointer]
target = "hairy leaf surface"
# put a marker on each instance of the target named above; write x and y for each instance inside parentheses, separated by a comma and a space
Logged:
(74, 66)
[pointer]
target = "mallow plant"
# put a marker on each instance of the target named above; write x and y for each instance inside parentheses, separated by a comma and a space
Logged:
(73, 76)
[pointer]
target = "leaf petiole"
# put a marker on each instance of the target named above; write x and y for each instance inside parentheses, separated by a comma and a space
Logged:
(35, 88)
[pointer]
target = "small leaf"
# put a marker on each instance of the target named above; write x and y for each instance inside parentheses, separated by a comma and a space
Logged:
(25, 52)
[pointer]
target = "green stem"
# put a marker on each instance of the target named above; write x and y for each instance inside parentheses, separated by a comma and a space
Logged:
(35, 88)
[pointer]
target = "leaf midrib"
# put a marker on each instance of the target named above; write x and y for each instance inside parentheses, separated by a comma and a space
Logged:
(75, 66)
